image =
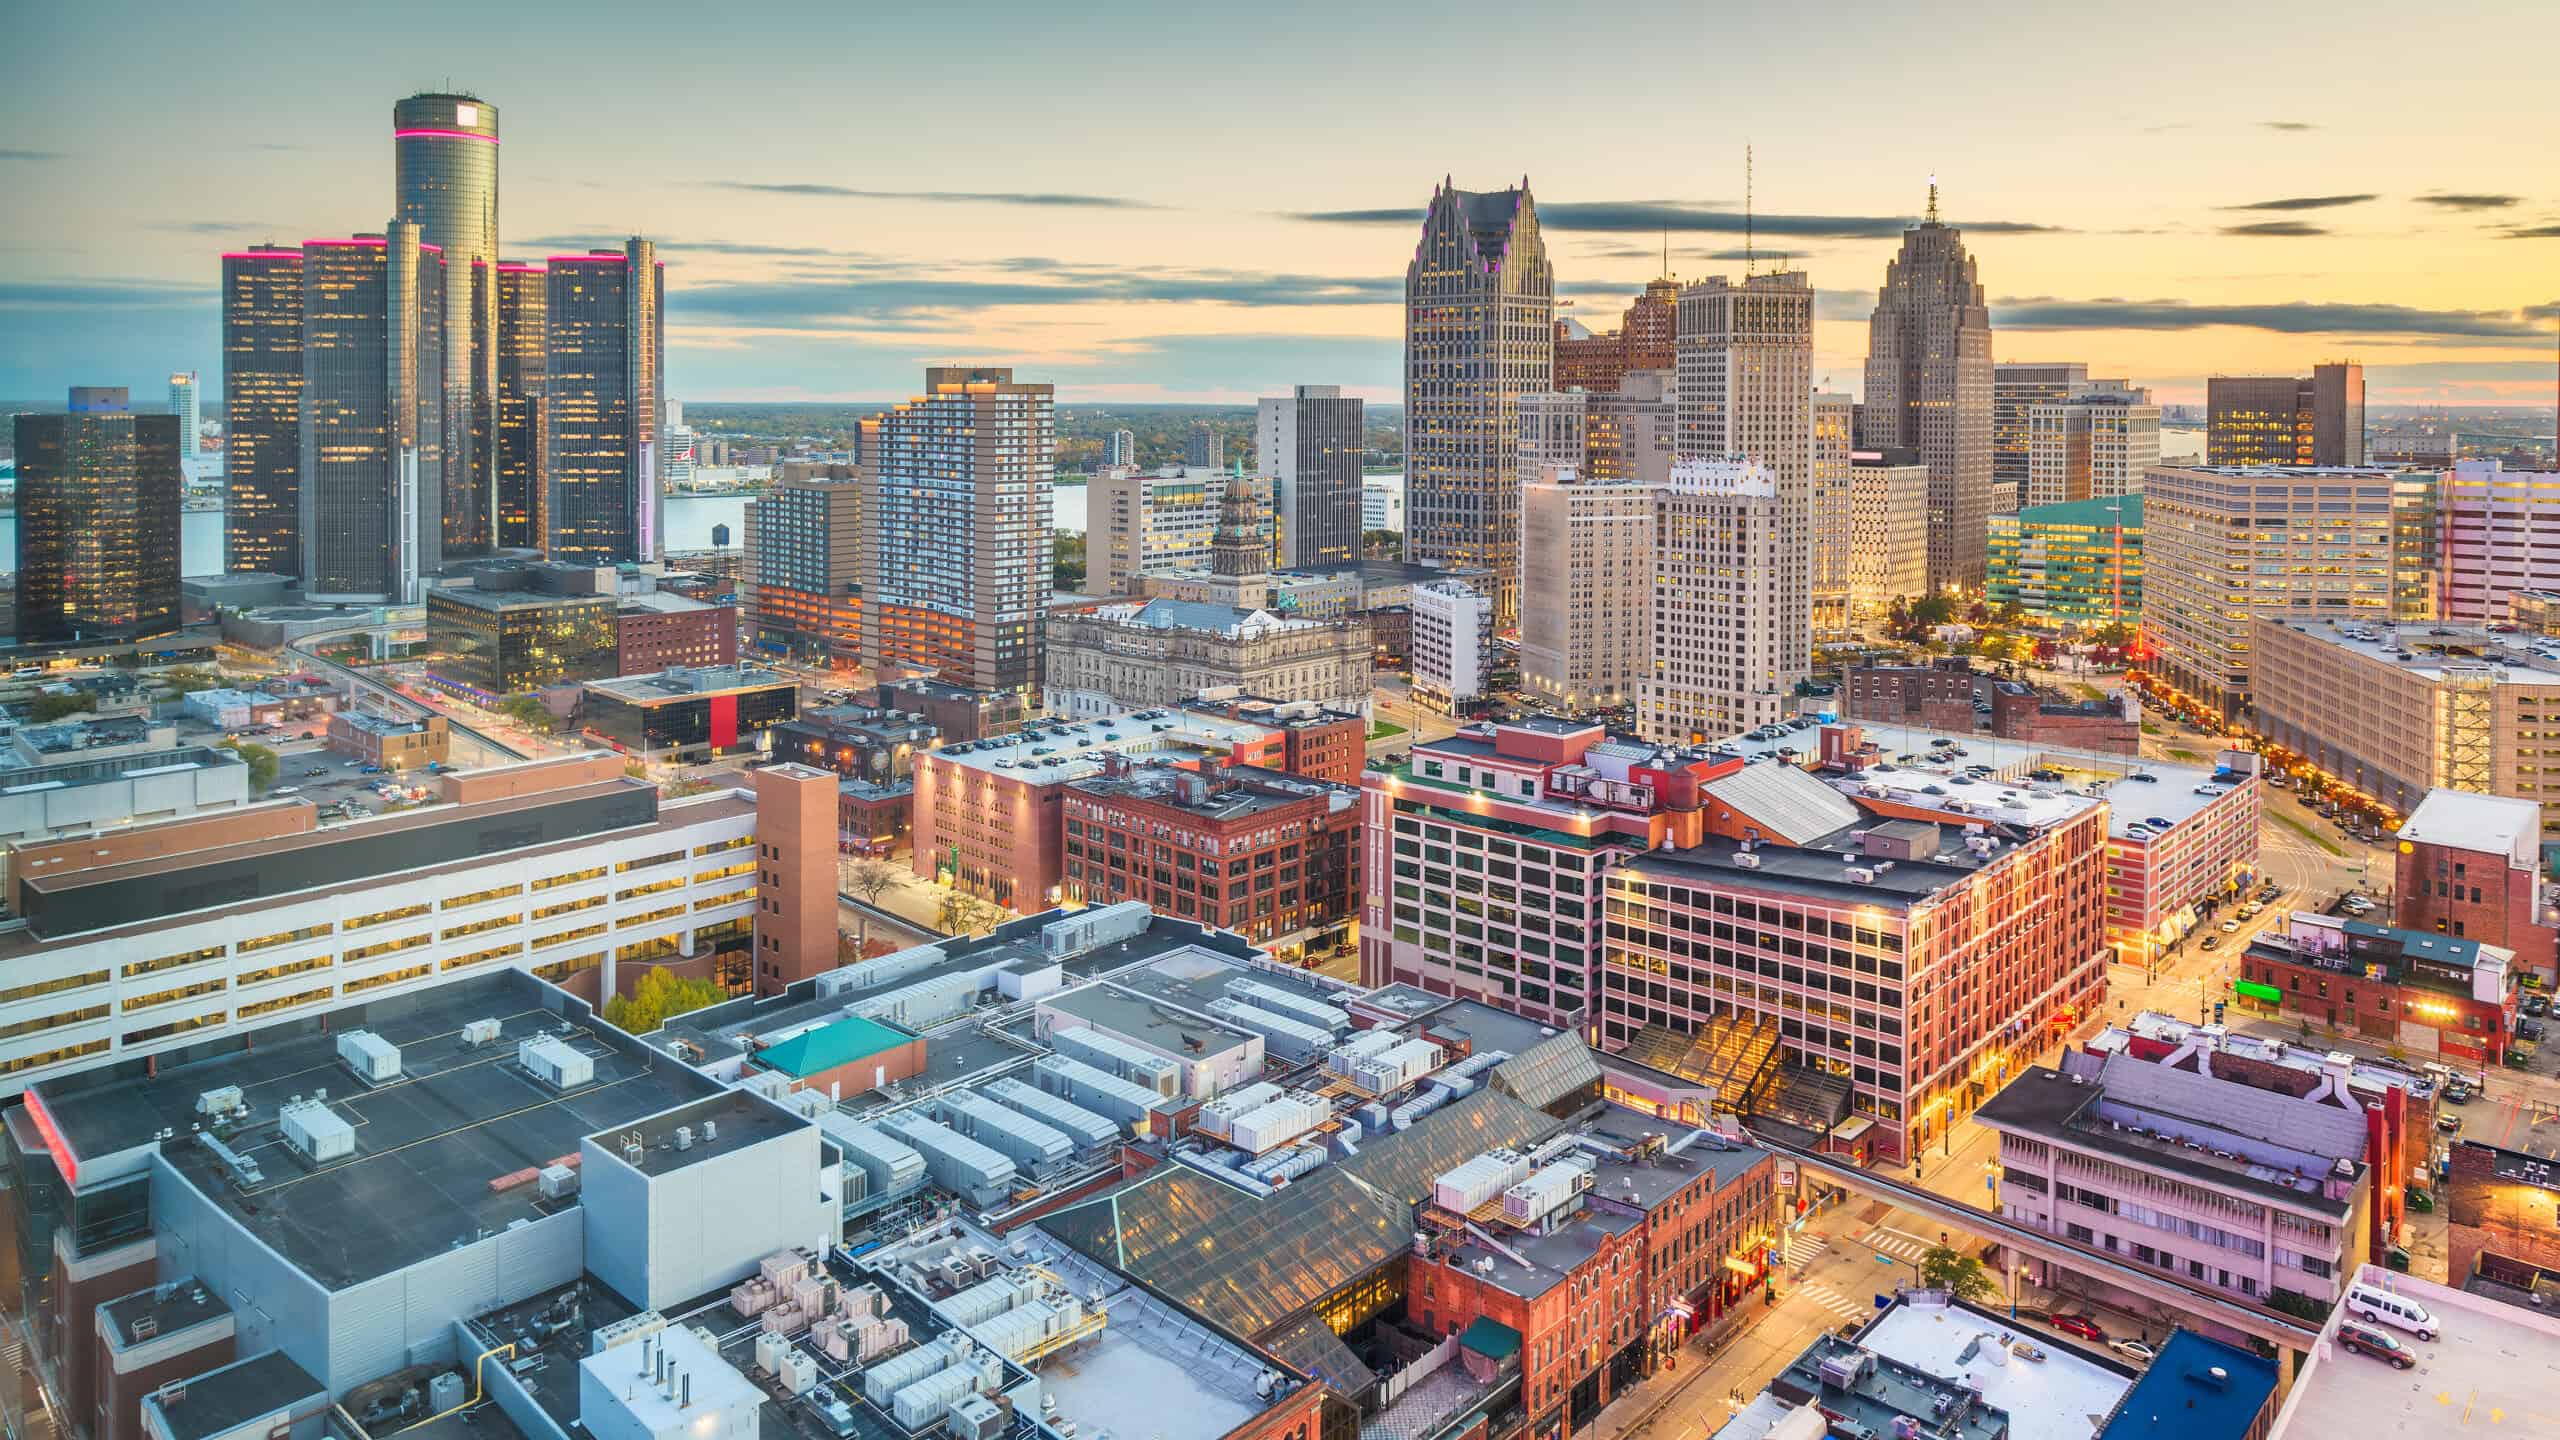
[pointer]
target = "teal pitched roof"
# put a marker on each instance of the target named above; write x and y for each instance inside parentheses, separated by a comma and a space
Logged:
(841, 1042)
(1491, 1338)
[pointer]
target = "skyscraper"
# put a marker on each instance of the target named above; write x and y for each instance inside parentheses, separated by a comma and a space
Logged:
(372, 433)
(2016, 388)
(2315, 419)
(1587, 566)
(604, 322)
(184, 404)
(960, 488)
(1310, 444)
(1720, 647)
(517, 462)
(262, 411)
(1621, 434)
(1203, 448)
(1929, 389)
(2090, 447)
(445, 153)
(1120, 447)
(98, 494)
(1644, 340)
(1479, 331)
(1831, 515)
(1746, 393)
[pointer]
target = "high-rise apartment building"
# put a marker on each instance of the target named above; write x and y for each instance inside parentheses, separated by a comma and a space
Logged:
(2017, 387)
(961, 478)
(1120, 447)
(604, 328)
(445, 149)
(1929, 385)
(2093, 446)
(2315, 419)
(808, 552)
(1310, 443)
(1620, 434)
(1721, 627)
(262, 411)
(1830, 513)
(1139, 523)
(2227, 546)
(1888, 529)
(188, 406)
(2494, 525)
(98, 498)
(517, 462)
(1746, 393)
(1203, 448)
(373, 413)
(1479, 302)
(1587, 559)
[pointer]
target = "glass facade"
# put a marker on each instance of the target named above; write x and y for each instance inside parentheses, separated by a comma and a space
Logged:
(372, 414)
(445, 150)
(2075, 564)
(509, 644)
(516, 454)
(721, 722)
(262, 411)
(98, 501)
(602, 405)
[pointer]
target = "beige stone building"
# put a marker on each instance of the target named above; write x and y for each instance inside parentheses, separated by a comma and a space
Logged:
(1587, 564)
(1830, 513)
(1888, 528)
(1124, 657)
(1141, 522)
(1719, 643)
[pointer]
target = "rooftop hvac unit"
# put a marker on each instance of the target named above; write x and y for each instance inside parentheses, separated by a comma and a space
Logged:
(444, 1392)
(1095, 928)
(975, 1417)
(1478, 1180)
(626, 1330)
(554, 1062)
(1217, 1118)
(374, 1059)
(221, 1101)
(1844, 1371)
(1088, 1130)
(479, 1033)
(1111, 1053)
(1027, 1142)
(957, 1163)
(1746, 859)
(315, 1132)
(1290, 1002)
(1283, 1120)
(1097, 1090)
(1289, 1038)
(1359, 1046)
(558, 1182)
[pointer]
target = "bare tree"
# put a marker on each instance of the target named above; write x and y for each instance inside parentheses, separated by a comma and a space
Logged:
(871, 879)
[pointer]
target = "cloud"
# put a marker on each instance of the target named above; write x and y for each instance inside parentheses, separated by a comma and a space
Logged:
(2458, 201)
(592, 239)
(1654, 216)
(2305, 202)
(2276, 229)
(2533, 232)
(100, 295)
(2286, 317)
(2287, 125)
(215, 227)
(1038, 199)
(33, 155)
(842, 303)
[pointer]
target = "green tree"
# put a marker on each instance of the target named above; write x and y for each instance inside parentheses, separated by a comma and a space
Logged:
(529, 712)
(260, 759)
(1067, 561)
(52, 706)
(1959, 1274)
(1382, 544)
(1931, 611)
(186, 680)
(659, 997)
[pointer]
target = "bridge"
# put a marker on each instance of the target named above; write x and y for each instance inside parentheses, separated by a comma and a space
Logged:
(363, 691)
(2285, 1332)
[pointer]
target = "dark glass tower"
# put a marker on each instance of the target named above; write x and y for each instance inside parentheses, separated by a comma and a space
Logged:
(446, 153)
(372, 415)
(262, 410)
(602, 399)
(517, 454)
(98, 499)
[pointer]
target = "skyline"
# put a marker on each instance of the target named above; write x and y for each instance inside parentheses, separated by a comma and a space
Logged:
(1196, 224)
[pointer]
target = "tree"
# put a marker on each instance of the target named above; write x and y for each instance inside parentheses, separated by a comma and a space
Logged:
(1067, 561)
(260, 759)
(1382, 544)
(1931, 611)
(187, 680)
(871, 879)
(659, 997)
(529, 712)
(52, 706)
(1958, 1274)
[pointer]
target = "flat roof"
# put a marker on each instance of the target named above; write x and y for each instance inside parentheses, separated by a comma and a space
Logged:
(2432, 650)
(2043, 1102)
(496, 600)
(691, 684)
(722, 1124)
(223, 1400)
(161, 1310)
(1821, 873)
(2180, 1397)
(840, 1041)
(1215, 799)
(1134, 1016)
(2065, 1397)
(2490, 1368)
(1045, 753)
(1529, 1265)
(2492, 823)
(1888, 1390)
(665, 602)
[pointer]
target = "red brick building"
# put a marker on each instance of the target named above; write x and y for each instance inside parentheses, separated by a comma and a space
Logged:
(1949, 696)
(2413, 988)
(873, 819)
(2499, 1214)
(2468, 868)
(662, 631)
(1324, 744)
(1646, 339)
(1271, 856)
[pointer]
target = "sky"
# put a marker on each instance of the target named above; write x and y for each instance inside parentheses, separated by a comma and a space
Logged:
(1206, 203)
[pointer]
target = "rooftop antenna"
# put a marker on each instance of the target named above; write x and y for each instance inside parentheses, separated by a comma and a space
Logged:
(1750, 228)
(1933, 199)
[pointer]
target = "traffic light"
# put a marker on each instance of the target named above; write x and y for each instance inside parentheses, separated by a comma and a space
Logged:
(2217, 1012)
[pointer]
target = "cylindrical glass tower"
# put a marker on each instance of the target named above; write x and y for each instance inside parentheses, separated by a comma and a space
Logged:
(447, 161)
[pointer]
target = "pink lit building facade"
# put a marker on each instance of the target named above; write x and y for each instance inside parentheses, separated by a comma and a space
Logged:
(2497, 533)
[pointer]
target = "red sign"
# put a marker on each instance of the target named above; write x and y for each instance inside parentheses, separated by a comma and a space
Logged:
(724, 722)
(63, 1159)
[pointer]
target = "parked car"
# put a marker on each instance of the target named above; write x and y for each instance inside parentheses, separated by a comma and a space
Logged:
(2081, 1326)
(2449, 1124)
(2134, 1350)
(2230, 927)
(2211, 942)
(2366, 1341)
(2529, 1028)
(2375, 1305)
(2537, 1005)
(2458, 1093)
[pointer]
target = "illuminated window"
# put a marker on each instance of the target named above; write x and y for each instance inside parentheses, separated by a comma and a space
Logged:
(563, 937)
(386, 947)
(568, 906)
(560, 970)
(654, 887)
(384, 917)
(149, 1033)
(714, 902)
(166, 962)
(718, 846)
(482, 957)
(287, 937)
(80, 981)
(52, 1057)
(478, 927)
(277, 972)
(52, 1022)
(184, 992)
(627, 866)
(282, 1002)
(573, 877)
(659, 914)
(387, 977)
(478, 897)
(728, 872)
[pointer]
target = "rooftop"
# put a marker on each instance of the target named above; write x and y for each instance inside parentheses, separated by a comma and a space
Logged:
(381, 725)
(474, 598)
(1233, 793)
(1882, 1391)
(663, 602)
(266, 1384)
(161, 1310)
(1817, 872)
(825, 1047)
(1133, 1016)
(2064, 1397)
(688, 683)
(1057, 751)
(2101, 511)
(2492, 823)
(2045, 1104)
(2197, 1389)
(73, 736)
(2430, 652)
(2492, 1368)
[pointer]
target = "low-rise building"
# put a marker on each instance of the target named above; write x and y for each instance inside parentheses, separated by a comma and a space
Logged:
(957, 713)
(232, 709)
(874, 819)
(2424, 992)
(90, 741)
(662, 630)
(1269, 855)
(1949, 697)
(392, 744)
(689, 714)
(490, 644)
(1111, 658)
(859, 742)
(1320, 743)
(1452, 645)
(2480, 1335)
(2499, 1201)
(2470, 866)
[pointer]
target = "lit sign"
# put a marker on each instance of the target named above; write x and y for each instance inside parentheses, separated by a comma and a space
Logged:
(63, 1159)
(466, 114)
(2252, 990)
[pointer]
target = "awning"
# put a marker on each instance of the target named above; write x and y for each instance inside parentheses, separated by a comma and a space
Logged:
(1491, 1338)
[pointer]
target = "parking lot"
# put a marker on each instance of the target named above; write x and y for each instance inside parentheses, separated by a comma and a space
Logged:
(338, 782)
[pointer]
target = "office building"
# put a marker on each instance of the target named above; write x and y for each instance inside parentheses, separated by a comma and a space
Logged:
(518, 459)
(1309, 444)
(2071, 564)
(1646, 339)
(1726, 639)
(262, 410)
(1119, 447)
(1227, 828)
(2315, 419)
(604, 333)
(1949, 697)
(2178, 845)
(1888, 529)
(1382, 506)
(188, 406)
(2470, 866)
(1317, 742)
(656, 630)
(1479, 310)
(2225, 547)
(2445, 995)
(2017, 387)
(494, 642)
(2491, 523)
(2458, 710)
(2094, 446)
(960, 485)
(1106, 659)
(1587, 552)
(690, 714)
(1624, 433)
(956, 712)
(446, 179)
(372, 443)
(1746, 393)
(2251, 1169)
(1452, 654)
(808, 551)
(1929, 389)
(1140, 524)
(1203, 448)
(1831, 514)
(98, 501)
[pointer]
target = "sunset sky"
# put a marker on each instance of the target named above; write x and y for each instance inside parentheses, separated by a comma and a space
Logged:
(1206, 202)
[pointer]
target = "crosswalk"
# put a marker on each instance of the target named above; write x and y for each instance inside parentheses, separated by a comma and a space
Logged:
(1895, 1244)
(1846, 1307)
(1804, 1247)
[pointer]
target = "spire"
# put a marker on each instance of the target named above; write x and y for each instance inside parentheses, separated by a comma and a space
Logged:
(1238, 547)
(1750, 221)
(1933, 199)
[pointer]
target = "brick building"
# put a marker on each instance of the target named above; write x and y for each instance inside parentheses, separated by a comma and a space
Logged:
(659, 630)
(2500, 1206)
(873, 819)
(1949, 696)
(2469, 866)
(2428, 993)
(391, 744)
(1271, 856)
(1316, 742)
(959, 714)
(855, 741)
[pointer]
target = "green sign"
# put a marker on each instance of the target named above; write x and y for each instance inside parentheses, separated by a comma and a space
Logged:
(2252, 990)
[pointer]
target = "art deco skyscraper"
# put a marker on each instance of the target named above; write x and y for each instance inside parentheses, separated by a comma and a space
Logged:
(960, 481)
(1479, 332)
(1929, 387)
(603, 384)
(517, 462)
(98, 494)
(445, 150)
(1309, 444)
(1746, 393)
(262, 411)
(373, 412)
(1831, 518)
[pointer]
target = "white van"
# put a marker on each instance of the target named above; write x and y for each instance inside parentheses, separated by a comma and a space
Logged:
(2365, 1302)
